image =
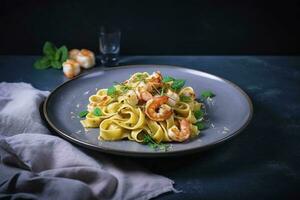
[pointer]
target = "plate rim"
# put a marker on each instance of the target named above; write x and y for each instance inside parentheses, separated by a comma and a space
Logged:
(154, 153)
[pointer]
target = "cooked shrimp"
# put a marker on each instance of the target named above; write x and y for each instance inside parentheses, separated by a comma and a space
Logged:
(142, 92)
(173, 97)
(73, 53)
(71, 68)
(145, 95)
(154, 80)
(157, 109)
(86, 58)
(182, 134)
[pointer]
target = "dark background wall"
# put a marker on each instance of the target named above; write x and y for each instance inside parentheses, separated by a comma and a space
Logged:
(154, 27)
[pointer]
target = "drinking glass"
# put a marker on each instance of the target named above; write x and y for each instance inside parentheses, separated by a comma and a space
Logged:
(109, 43)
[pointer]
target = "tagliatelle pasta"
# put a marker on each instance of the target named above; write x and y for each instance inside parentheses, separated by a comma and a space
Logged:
(160, 107)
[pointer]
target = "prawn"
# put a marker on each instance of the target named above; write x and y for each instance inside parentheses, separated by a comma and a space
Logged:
(173, 98)
(142, 92)
(180, 135)
(157, 109)
(155, 80)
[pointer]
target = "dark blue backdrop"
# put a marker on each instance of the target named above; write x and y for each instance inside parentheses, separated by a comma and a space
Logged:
(153, 27)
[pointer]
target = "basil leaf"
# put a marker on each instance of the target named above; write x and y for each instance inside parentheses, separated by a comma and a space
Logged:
(185, 98)
(111, 91)
(63, 53)
(207, 94)
(83, 113)
(42, 63)
(168, 79)
(200, 125)
(56, 64)
(57, 55)
(178, 84)
(49, 49)
(97, 112)
(198, 114)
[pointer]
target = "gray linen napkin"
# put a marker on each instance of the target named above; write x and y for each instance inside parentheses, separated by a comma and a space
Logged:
(37, 165)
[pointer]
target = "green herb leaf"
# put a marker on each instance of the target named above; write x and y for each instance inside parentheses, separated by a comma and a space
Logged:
(57, 55)
(153, 144)
(111, 91)
(178, 84)
(207, 94)
(200, 125)
(97, 112)
(53, 57)
(185, 98)
(56, 64)
(63, 53)
(42, 63)
(198, 114)
(83, 113)
(49, 49)
(168, 79)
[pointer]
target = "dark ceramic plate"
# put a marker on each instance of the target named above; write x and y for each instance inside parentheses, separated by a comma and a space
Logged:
(230, 113)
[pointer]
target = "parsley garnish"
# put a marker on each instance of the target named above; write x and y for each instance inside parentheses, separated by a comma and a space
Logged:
(185, 98)
(168, 79)
(83, 113)
(200, 125)
(177, 84)
(153, 144)
(97, 112)
(207, 94)
(111, 91)
(198, 114)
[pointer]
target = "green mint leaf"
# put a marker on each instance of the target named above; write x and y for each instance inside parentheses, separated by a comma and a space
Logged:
(178, 84)
(198, 114)
(56, 64)
(207, 94)
(200, 125)
(97, 112)
(42, 63)
(83, 113)
(64, 53)
(111, 91)
(49, 49)
(168, 79)
(61, 54)
(57, 55)
(185, 98)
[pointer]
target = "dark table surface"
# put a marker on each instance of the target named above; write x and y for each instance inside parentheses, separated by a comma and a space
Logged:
(263, 162)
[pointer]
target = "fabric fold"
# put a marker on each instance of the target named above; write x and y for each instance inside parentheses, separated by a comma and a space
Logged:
(37, 165)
